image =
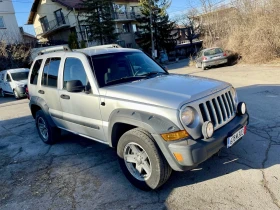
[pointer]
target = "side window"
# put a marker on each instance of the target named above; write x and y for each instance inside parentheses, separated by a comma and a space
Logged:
(74, 70)
(50, 72)
(8, 78)
(35, 72)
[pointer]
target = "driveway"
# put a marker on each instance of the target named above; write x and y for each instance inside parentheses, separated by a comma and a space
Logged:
(77, 173)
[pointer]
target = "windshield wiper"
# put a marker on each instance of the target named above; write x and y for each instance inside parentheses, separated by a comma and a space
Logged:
(124, 78)
(153, 73)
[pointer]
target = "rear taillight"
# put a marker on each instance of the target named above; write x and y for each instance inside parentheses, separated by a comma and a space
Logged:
(204, 58)
(225, 54)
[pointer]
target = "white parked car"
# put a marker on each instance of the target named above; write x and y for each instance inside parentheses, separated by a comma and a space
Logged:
(13, 82)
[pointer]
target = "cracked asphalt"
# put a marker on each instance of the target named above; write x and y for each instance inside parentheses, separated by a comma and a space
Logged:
(77, 173)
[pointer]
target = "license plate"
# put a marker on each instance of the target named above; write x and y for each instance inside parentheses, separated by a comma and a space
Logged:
(235, 137)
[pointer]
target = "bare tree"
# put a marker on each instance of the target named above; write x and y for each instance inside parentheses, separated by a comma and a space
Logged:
(13, 54)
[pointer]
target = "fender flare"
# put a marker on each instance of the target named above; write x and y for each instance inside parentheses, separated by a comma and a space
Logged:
(154, 124)
(35, 100)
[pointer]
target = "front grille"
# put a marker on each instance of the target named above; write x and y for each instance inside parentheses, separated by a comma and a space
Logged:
(219, 110)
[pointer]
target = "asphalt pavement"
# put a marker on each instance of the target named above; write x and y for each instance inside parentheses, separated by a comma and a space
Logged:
(77, 173)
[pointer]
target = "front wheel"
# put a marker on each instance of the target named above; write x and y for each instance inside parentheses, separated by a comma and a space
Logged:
(47, 133)
(2, 93)
(203, 66)
(16, 94)
(141, 161)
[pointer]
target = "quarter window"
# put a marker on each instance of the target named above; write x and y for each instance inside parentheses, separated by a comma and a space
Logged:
(74, 70)
(2, 24)
(8, 78)
(35, 72)
(50, 72)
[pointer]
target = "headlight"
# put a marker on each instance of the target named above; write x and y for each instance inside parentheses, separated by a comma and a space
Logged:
(234, 95)
(187, 116)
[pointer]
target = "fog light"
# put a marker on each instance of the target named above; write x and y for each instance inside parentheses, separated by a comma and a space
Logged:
(207, 129)
(241, 108)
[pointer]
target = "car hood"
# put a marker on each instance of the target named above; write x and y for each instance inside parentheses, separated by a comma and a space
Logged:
(170, 91)
(21, 82)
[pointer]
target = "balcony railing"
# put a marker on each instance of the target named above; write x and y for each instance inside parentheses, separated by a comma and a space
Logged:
(126, 16)
(51, 26)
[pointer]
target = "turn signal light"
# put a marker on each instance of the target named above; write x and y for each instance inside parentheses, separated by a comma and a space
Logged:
(178, 156)
(175, 135)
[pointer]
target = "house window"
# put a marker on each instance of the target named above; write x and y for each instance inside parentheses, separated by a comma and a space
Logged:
(2, 24)
(45, 23)
(120, 8)
(86, 31)
(59, 17)
(126, 28)
(134, 28)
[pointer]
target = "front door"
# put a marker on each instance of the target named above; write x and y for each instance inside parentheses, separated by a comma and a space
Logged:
(81, 111)
(8, 84)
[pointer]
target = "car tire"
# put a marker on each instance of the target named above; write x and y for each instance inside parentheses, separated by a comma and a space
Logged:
(16, 94)
(47, 133)
(2, 93)
(139, 147)
(203, 66)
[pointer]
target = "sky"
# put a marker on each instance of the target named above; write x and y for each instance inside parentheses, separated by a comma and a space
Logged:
(22, 9)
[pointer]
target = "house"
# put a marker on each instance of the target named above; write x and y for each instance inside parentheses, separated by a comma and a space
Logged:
(55, 20)
(9, 30)
(28, 38)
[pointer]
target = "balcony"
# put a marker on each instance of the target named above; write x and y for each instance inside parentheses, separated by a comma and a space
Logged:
(48, 28)
(126, 16)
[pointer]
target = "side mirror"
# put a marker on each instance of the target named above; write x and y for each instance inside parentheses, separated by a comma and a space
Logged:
(75, 86)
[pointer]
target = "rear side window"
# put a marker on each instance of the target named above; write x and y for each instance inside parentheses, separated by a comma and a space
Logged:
(213, 52)
(74, 70)
(35, 72)
(50, 72)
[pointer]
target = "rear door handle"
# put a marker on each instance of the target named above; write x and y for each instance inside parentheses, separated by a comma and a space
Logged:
(65, 96)
(41, 92)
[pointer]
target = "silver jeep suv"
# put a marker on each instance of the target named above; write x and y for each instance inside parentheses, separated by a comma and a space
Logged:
(156, 121)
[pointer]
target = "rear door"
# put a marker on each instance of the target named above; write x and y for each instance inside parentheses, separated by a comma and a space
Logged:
(47, 88)
(81, 111)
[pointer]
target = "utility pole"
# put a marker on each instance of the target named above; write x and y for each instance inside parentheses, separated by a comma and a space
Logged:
(86, 35)
(151, 28)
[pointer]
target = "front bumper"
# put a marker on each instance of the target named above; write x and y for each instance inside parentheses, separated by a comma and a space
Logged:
(215, 62)
(197, 151)
(21, 91)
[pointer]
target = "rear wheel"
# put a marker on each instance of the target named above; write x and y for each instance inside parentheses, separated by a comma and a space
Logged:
(2, 93)
(47, 133)
(141, 161)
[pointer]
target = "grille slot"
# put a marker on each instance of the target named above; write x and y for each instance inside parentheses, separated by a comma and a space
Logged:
(219, 110)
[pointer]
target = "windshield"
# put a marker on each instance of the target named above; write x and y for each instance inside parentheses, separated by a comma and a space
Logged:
(213, 52)
(19, 76)
(116, 68)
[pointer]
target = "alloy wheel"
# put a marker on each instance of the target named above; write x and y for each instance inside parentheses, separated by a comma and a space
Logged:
(43, 128)
(137, 161)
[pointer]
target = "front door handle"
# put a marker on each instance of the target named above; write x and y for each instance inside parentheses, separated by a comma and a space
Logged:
(65, 96)
(41, 92)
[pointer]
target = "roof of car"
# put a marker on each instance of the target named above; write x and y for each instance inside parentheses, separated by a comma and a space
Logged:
(210, 48)
(16, 70)
(98, 51)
